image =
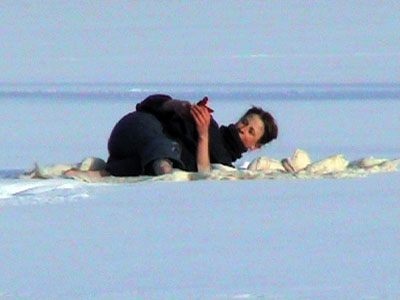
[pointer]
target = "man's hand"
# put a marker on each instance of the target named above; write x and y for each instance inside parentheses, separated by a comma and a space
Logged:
(202, 118)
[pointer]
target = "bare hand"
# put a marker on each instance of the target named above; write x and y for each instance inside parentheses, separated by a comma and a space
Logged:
(202, 118)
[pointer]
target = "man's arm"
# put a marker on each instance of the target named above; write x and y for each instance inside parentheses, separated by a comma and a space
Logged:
(162, 105)
(179, 107)
(202, 119)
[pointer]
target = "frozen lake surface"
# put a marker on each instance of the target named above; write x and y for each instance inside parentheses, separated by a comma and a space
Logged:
(251, 239)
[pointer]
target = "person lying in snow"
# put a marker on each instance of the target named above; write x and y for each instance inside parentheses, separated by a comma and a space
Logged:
(165, 133)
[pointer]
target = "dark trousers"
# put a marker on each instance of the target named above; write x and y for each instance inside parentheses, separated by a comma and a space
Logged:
(136, 141)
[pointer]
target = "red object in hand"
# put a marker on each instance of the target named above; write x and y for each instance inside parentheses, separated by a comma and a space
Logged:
(204, 103)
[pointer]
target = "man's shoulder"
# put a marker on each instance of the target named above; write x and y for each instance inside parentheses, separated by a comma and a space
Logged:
(152, 102)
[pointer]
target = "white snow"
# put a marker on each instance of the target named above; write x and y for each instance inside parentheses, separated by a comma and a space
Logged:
(248, 239)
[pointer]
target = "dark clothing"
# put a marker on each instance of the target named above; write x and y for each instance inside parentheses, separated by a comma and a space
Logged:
(137, 140)
(152, 133)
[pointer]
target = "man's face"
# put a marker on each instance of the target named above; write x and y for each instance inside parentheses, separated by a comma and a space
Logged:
(251, 129)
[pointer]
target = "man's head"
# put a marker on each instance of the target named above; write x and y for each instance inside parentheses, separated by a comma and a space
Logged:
(256, 128)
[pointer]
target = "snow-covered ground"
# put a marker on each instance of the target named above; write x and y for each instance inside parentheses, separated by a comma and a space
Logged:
(251, 239)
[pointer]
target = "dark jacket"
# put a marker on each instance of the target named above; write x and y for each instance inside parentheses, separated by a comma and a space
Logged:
(225, 145)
